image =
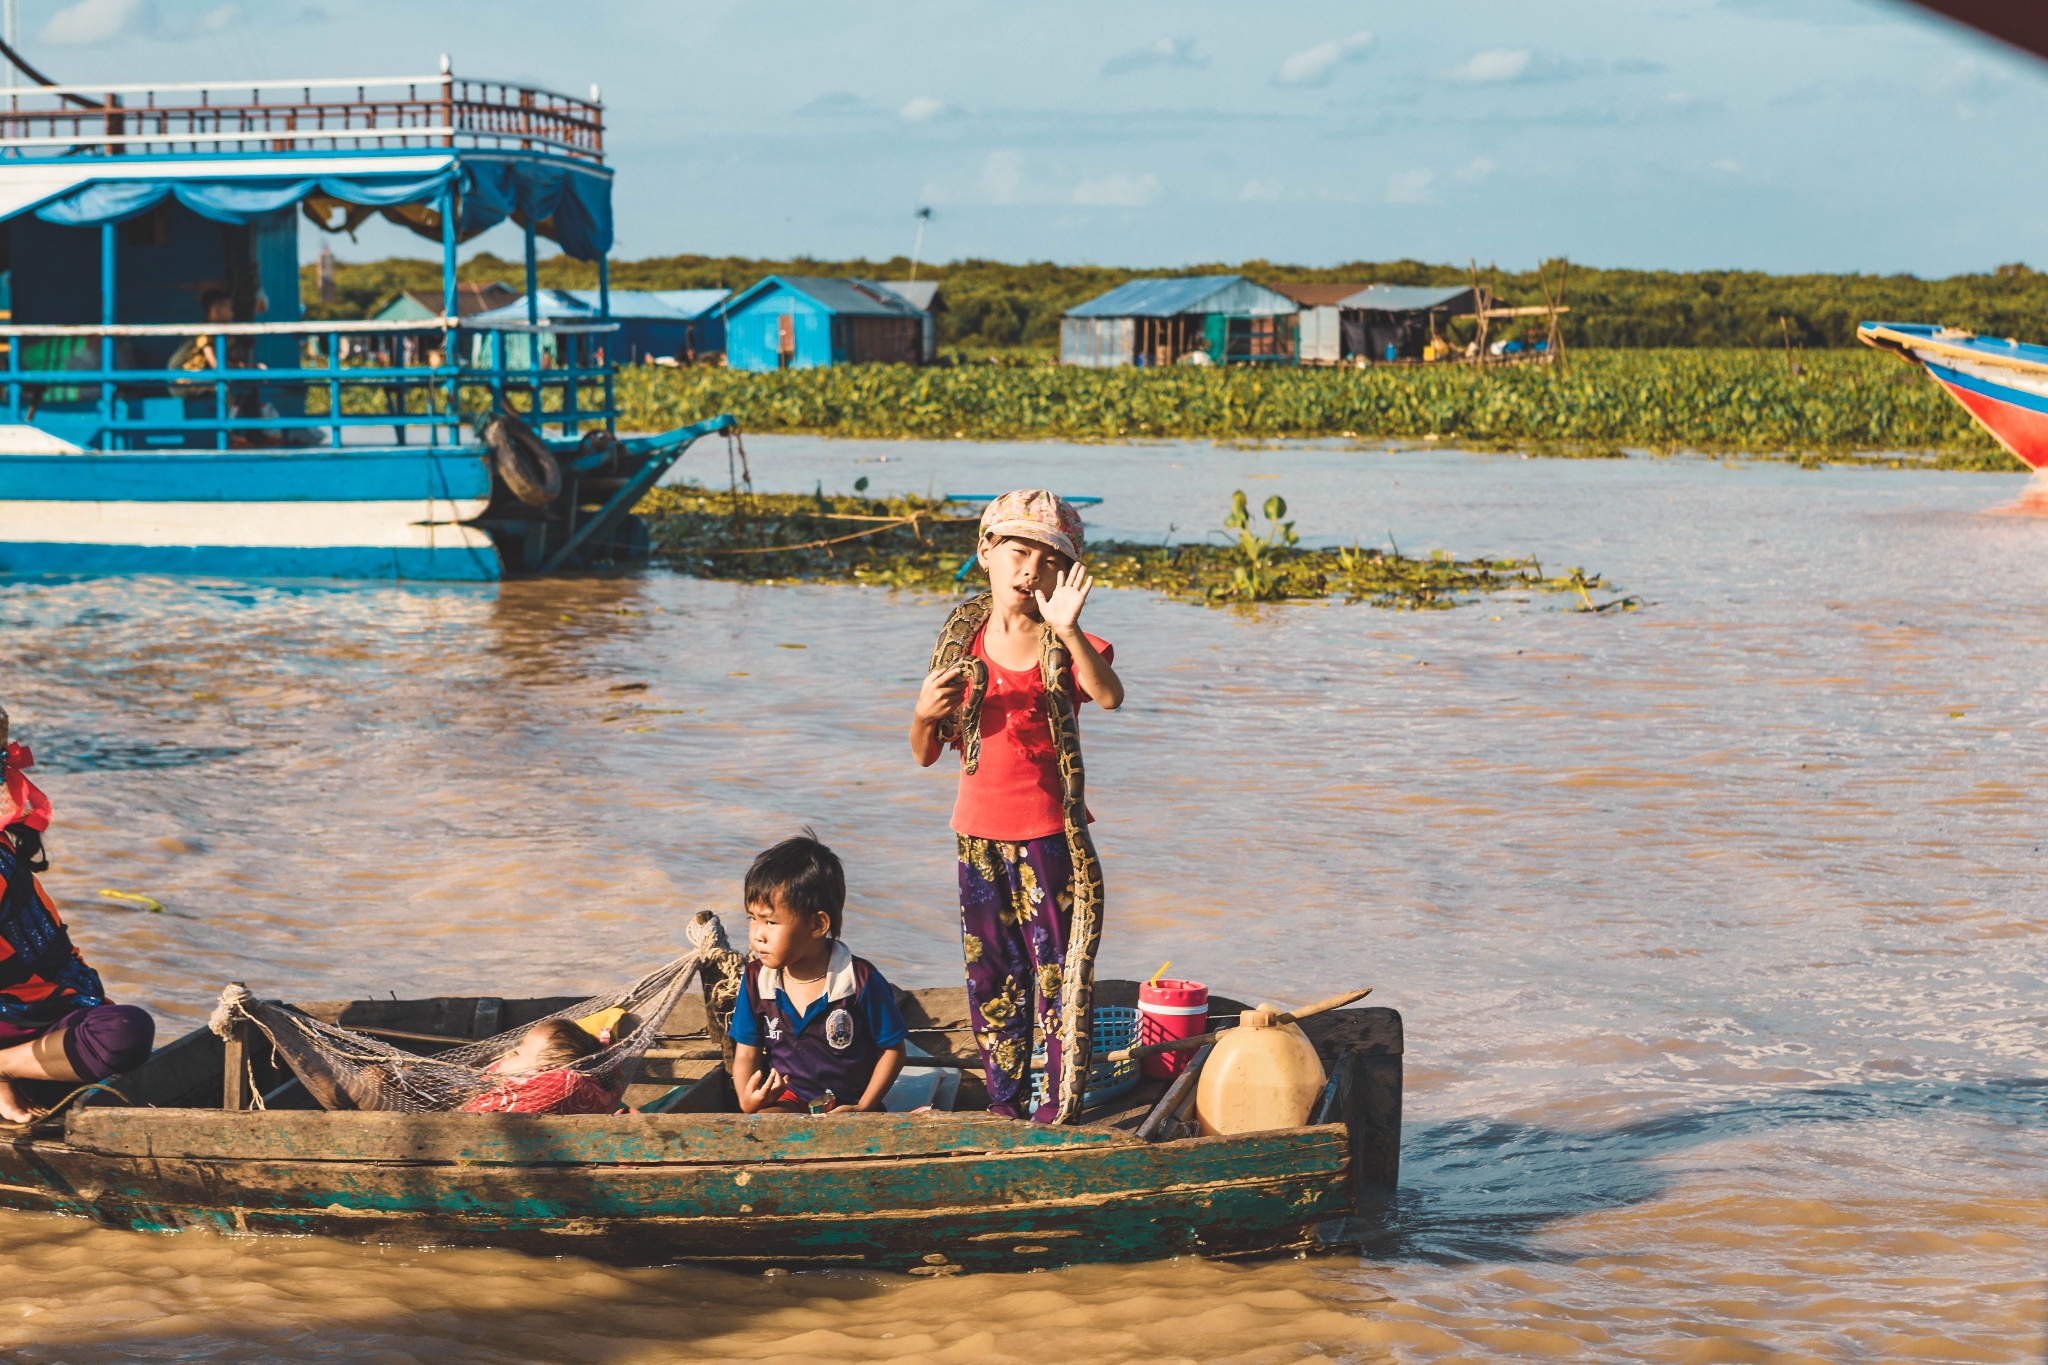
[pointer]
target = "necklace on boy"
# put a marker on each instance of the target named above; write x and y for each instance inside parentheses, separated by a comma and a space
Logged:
(806, 980)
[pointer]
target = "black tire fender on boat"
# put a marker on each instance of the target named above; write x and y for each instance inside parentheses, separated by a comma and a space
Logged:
(523, 461)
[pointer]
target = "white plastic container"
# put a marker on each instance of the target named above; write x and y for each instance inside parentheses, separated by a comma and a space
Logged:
(1260, 1075)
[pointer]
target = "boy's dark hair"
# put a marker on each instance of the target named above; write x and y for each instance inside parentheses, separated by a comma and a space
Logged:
(565, 1042)
(800, 875)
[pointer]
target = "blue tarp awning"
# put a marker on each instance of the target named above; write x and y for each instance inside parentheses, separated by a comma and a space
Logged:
(572, 204)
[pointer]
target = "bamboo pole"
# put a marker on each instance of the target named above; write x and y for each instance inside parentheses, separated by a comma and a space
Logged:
(1335, 1002)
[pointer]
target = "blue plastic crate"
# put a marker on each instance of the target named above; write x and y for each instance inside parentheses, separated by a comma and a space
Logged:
(1111, 1027)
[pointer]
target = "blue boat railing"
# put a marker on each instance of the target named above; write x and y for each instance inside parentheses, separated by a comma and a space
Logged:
(106, 405)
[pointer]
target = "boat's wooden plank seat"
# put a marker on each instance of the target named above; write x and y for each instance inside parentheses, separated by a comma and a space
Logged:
(542, 1139)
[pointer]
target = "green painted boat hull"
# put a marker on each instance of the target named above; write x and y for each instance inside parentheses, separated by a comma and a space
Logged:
(929, 1193)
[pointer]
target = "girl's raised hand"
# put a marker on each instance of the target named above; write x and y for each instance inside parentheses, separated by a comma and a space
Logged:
(1069, 595)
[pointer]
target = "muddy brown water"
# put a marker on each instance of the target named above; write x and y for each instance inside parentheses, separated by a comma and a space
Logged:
(1717, 926)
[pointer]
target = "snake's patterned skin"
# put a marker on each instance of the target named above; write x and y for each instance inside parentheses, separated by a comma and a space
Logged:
(1077, 989)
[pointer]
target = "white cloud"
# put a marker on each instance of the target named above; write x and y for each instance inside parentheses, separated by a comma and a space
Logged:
(1002, 177)
(219, 19)
(1474, 171)
(1410, 187)
(1122, 190)
(922, 109)
(1315, 65)
(91, 22)
(1161, 52)
(1494, 64)
(1731, 166)
(1259, 189)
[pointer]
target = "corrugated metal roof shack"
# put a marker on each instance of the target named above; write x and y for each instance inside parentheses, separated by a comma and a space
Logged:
(798, 322)
(1358, 322)
(923, 295)
(650, 328)
(703, 313)
(1385, 322)
(423, 304)
(1320, 321)
(1224, 318)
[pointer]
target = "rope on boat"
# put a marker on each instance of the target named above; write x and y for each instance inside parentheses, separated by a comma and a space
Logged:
(911, 521)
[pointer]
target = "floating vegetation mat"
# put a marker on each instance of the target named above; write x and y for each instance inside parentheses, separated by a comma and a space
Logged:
(920, 543)
(1843, 402)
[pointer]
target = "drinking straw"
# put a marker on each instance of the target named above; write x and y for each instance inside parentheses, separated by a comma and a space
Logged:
(1162, 970)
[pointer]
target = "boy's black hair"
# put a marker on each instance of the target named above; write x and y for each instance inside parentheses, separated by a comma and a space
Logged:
(800, 875)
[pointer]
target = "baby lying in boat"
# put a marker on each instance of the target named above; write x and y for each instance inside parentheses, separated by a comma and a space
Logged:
(535, 1077)
(538, 1079)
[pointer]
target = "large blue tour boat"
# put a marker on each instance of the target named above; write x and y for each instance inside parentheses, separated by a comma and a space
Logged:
(165, 406)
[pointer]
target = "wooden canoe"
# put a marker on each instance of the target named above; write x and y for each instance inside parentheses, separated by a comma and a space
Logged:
(931, 1193)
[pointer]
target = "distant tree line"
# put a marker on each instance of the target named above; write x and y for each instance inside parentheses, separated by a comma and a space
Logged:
(991, 304)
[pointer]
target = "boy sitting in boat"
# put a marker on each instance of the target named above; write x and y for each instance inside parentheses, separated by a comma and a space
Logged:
(816, 1028)
(56, 1024)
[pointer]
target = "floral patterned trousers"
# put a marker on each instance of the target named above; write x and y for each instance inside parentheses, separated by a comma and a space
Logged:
(1016, 908)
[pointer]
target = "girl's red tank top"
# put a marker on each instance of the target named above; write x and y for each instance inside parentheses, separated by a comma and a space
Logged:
(1014, 792)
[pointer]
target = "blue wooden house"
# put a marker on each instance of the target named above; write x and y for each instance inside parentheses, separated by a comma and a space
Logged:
(798, 322)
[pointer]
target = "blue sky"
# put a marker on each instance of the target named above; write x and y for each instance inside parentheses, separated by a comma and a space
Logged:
(1854, 135)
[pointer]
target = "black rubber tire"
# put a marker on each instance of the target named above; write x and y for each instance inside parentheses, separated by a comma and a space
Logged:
(523, 461)
(598, 441)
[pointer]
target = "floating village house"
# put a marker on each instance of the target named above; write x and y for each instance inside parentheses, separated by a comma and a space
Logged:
(422, 305)
(924, 296)
(799, 322)
(651, 325)
(1373, 323)
(1222, 319)
(425, 305)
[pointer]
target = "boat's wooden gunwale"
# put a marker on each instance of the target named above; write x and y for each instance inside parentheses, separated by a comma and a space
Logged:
(555, 1139)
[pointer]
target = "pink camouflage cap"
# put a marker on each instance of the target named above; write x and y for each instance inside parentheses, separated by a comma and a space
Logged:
(1034, 514)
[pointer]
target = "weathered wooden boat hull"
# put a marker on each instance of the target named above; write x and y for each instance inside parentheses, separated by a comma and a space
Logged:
(919, 1192)
(1215, 1196)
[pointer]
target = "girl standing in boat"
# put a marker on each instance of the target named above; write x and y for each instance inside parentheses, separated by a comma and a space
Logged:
(55, 1022)
(1030, 886)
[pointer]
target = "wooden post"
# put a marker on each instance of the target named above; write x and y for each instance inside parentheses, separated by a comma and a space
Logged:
(234, 1090)
(1369, 1098)
(109, 284)
(1483, 302)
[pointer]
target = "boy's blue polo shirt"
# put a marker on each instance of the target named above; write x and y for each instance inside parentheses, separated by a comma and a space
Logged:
(877, 1002)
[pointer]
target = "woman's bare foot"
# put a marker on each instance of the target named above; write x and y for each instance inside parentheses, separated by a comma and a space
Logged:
(11, 1108)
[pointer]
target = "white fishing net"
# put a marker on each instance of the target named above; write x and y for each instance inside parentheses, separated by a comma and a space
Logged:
(344, 1069)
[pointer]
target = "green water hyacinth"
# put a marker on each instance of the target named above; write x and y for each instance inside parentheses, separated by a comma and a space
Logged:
(1602, 401)
(921, 544)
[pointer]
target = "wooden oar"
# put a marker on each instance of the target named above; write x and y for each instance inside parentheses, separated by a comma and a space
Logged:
(1335, 1002)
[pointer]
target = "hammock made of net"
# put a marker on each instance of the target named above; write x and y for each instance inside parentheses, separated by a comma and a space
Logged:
(343, 1069)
